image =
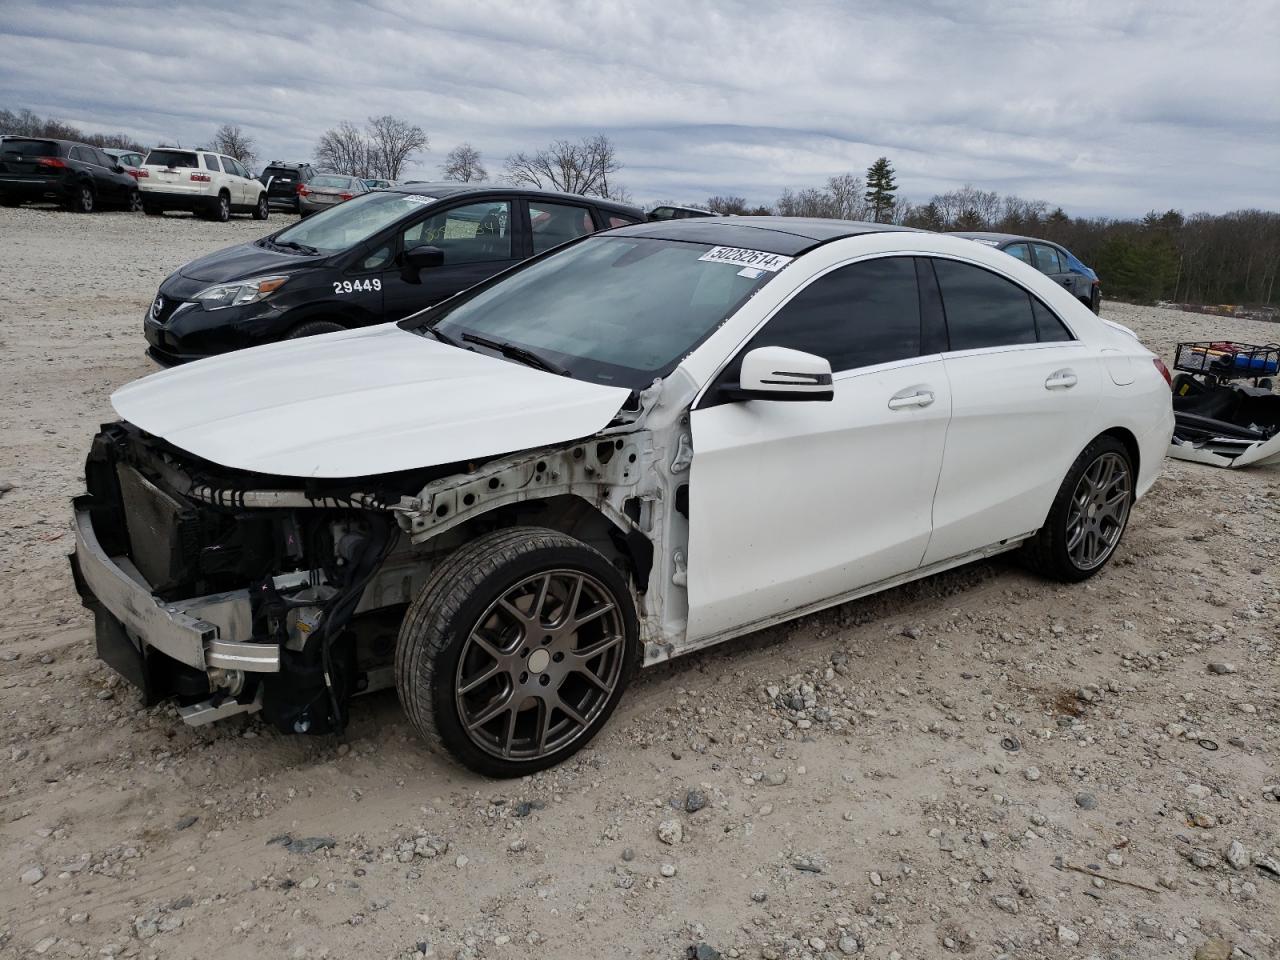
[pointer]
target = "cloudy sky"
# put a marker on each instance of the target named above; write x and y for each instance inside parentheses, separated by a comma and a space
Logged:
(1112, 107)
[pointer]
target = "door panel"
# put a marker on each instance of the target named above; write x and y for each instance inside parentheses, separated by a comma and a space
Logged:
(794, 503)
(1019, 417)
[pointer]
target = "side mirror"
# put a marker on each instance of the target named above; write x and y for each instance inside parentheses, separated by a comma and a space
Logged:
(418, 259)
(780, 373)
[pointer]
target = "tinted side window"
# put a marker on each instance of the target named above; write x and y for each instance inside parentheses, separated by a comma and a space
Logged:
(211, 162)
(617, 220)
(557, 223)
(475, 233)
(82, 154)
(855, 316)
(983, 309)
(1047, 259)
(1020, 250)
(102, 159)
(1049, 329)
(231, 165)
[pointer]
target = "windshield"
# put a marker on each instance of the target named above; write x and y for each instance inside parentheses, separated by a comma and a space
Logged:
(615, 310)
(342, 227)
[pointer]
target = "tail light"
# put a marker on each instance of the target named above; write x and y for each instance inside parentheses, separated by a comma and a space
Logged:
(346, 196)
(52, 163)
(134, 173)
(1164, 371)
(201, 178)
(302, 190)
(141, 173)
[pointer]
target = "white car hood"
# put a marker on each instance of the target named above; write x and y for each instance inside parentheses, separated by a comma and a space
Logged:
(364, 402)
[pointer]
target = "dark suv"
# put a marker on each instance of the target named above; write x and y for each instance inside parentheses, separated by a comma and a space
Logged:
(282, 181)
(76, 175)
(380, 256)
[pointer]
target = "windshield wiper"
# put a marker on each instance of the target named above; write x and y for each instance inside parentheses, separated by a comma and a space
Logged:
(300, 247)
(514, 352)
(441, 336)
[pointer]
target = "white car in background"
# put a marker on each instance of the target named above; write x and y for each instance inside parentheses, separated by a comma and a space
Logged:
(211, 185)
(645, 442)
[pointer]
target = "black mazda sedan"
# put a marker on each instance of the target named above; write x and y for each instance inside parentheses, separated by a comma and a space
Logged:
(376, 258)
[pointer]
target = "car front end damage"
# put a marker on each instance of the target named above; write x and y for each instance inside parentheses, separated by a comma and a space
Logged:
(235, 592)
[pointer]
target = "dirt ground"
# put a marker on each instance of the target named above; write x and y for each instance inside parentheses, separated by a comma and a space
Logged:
(982, 764)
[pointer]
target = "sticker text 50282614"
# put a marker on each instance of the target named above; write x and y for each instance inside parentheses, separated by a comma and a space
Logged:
(356, 286)
(740, 257)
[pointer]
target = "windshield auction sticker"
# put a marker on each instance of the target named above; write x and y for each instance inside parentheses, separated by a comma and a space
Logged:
(418, 198)
(740, 257)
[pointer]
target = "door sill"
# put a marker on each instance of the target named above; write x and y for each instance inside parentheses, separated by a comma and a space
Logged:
(656, 653)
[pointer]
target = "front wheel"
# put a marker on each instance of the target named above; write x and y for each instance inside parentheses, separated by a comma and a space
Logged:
(313, 328)
(1088, 516)
(517, 651)
(262, 210)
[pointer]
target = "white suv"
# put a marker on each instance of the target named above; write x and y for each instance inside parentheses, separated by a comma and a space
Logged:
(205, 183)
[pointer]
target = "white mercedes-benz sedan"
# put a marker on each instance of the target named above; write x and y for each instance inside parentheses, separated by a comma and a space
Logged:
(641, 443)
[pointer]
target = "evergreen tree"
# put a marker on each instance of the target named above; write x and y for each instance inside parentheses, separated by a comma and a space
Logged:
(881, 187)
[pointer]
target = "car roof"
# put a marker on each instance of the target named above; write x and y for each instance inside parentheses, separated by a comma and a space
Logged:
(449, 188)
(786, 236)
(1001, 237)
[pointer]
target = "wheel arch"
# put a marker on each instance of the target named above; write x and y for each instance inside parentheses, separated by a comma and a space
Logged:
(1130, 442)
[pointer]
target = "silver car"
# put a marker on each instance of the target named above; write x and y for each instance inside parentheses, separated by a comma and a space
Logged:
(328, 190)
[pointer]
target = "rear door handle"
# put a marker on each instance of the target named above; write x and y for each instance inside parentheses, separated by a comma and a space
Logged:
(921, 398)
(1061, 380)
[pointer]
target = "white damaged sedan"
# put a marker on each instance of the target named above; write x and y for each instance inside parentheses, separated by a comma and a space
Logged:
(642, 443)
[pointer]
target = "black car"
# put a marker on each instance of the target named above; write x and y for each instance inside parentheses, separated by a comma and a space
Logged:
(282, 181)
(671, 212)
(376, 258)
(75, 175)
(1049, 258)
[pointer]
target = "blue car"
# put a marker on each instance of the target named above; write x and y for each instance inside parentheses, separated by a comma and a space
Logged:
(1049, 258)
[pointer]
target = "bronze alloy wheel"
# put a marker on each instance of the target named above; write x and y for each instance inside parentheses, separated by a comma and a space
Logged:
(539, 665)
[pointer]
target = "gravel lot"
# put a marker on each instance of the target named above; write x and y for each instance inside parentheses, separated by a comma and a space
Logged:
(982, 764)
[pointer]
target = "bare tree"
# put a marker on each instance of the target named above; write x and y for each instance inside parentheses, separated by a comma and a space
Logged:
(344, 149)
(392, 143)
(234, 142)
(727, 205)
(463, 163)
(583, 167)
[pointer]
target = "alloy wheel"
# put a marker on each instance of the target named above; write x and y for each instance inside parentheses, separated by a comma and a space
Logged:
(135, 201)
(1099, 511)
(540, 664)
(86, 200)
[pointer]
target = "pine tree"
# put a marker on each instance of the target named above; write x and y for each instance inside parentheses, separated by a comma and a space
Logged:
(881, 187)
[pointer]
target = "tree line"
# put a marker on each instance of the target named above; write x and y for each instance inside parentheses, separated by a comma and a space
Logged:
(1202, 258)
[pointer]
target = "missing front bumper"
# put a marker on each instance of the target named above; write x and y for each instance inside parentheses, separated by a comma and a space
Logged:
(137, 634)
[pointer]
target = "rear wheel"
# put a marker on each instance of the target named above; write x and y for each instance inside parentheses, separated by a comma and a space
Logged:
(262, 210)
(313, 328)
(83, 200)
(1095, 301)
(517, 651)
(221, 209)
(134, 203)
(1089, 514)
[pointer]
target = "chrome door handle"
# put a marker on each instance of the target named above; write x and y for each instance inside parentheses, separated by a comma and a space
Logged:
(921, 399)
(1061, 380)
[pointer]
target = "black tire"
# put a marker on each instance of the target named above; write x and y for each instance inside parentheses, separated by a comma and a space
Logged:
(220, 209)
(1095, 301)
(262, 210)
(462, 591)
(1052, 551)
(313, 328)
(134, 202)
(84, 199)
